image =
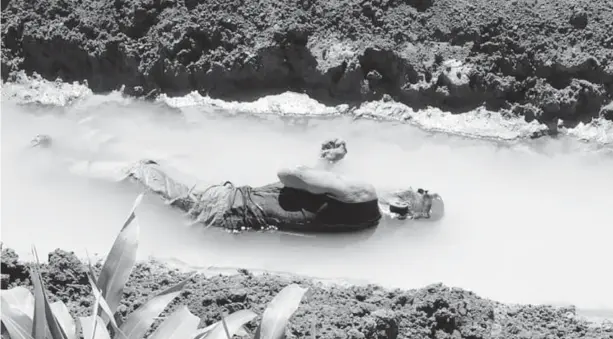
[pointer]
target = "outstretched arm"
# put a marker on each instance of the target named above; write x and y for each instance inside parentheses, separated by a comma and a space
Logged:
(105, 170)
(41, 140)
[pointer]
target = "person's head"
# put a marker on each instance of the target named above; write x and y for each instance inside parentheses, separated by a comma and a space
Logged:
(422, 204)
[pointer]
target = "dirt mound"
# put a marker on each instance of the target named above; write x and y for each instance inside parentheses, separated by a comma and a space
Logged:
(435, 311)
(542, 59)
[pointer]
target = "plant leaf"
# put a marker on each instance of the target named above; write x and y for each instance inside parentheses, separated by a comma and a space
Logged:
(95, 317)
(120, 261)
(243, 332)
(106, 310)
(180, 325)
(225, 328)
(20, 298)
(137, 323)
(234, 322)
(43, 315)
(39, 322)
(64, 318)
(106, 315)
(87, 325)
(279, 311)
(201, 333)
(17, 323)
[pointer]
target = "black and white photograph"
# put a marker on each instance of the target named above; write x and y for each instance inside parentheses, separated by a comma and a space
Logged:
(306, 169)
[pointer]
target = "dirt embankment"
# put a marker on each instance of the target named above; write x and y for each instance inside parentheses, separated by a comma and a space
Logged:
(542, 59)
(433, 312)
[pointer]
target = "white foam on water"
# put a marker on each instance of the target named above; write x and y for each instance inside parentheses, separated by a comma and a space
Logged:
(527, 221)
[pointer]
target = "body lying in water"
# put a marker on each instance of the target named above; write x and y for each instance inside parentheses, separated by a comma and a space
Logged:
(305, 199)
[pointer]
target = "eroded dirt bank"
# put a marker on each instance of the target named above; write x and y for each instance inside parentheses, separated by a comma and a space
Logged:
(434, 311)
(543, 59)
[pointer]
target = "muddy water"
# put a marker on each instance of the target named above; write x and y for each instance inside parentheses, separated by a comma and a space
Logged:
(530, 222)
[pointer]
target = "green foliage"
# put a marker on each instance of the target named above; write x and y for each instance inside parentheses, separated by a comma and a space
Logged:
(32, 316)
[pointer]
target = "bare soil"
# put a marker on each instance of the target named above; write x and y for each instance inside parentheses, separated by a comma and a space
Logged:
(432, 312)
(550, 60)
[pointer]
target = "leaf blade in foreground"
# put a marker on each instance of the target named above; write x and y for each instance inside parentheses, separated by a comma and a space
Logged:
(39, 322)
(21, 298)
(87, 324)
(279, 311)
(180, 325)
(64, 318)
(139, 321)
(234, 322)
(120, 261)
(17, 323)
(43, 308)
(107, 315)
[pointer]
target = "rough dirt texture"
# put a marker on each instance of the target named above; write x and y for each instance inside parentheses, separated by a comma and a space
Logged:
(435, 311)
(542, 59)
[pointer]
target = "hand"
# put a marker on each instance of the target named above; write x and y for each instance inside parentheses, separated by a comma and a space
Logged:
(333, 150)
(41, 140)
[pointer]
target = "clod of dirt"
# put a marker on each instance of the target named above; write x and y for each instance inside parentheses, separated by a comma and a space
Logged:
(579, 19)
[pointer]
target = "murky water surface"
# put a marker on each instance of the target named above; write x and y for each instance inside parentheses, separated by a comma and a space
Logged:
(526, 223)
